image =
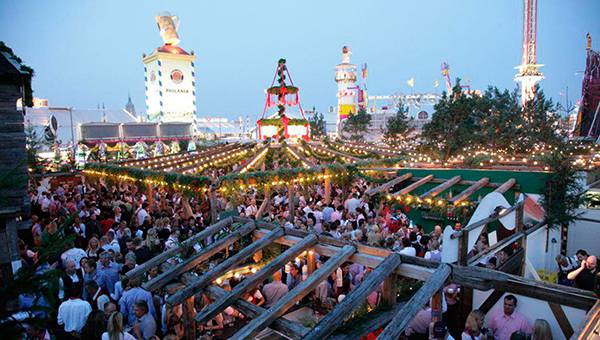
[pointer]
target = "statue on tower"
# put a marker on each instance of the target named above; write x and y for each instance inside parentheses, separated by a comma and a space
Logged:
(167, 25)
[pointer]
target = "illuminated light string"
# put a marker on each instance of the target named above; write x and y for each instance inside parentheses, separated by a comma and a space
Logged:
(254, 161)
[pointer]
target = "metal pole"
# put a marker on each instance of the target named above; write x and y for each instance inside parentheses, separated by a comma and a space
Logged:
(72, 132)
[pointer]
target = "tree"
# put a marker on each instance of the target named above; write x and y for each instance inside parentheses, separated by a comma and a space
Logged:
(500, 117)
(398, 127)
(453, 125)
(562, 194)
(540, 122)
(318, 125)
(357, 124)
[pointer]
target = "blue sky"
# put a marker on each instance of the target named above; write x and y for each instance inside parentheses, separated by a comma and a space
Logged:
(89, 52)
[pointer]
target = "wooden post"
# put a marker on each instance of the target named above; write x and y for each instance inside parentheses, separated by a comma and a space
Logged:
(390, 290)
(311, 262)
(354, 299)
(327, 183)
(214, 215)
(189, 323)
(149, 193)
(291, 202)
(305, 287)
(519, 228)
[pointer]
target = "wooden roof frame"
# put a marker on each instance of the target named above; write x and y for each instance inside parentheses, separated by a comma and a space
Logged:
(384, 262)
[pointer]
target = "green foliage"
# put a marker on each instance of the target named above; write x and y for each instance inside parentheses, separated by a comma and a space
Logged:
(453, 124)
(562, 194)
(494, 120)
(397, 127)
(356, 125)
(39, 280)
(318, 125)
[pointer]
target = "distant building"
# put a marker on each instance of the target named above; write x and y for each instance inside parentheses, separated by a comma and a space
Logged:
(129, 107)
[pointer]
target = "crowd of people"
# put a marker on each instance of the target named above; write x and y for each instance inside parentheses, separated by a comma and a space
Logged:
(110, 229)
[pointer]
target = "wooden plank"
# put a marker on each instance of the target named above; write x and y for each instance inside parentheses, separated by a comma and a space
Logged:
(218, 306)
(164, 256)
(561, 318)
(354, 300)
(414, 185)
(289, 328)
(280, 307)
(440, 188)
(506, 186)
(463, 195)
(387, 185)
(198, 258)
(224, 266)
(401, 320)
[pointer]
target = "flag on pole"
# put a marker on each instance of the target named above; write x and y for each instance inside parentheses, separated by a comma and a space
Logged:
(411, 82)
(436, 83)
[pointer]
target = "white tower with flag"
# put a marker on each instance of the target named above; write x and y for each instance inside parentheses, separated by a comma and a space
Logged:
(347, 94)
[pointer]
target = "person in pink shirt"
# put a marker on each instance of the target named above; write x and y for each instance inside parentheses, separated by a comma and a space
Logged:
(504, 323)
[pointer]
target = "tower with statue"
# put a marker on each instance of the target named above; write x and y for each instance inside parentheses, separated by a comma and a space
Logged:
(169, 77)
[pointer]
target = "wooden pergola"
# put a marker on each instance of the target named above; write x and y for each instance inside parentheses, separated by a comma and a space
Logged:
(386, 266)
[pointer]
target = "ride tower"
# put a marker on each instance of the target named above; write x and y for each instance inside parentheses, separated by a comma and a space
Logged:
(347, 93)
(529, 74)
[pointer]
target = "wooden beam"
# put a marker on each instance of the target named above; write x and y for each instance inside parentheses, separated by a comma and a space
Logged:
(218, 306)
(506, 186)
(486, 279)
(491, 300)
(401, 320)
(280, 307)
(354, 300)
(164, 256)
(387, 185)
(493, 217)
(371, 325)
(289, 328)
(438, 189)
(198, 257)
(414, 185)
(413, 271)
(561, 318)
(469, 191)
(224, 266)
(587, 326)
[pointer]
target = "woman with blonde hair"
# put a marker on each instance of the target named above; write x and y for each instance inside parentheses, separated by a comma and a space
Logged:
(541, 330)
(115, 330)
(474, 326)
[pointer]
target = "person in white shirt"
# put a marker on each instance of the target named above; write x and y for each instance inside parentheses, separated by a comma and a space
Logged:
(142, 214)
(73, 313)
(407, 248)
